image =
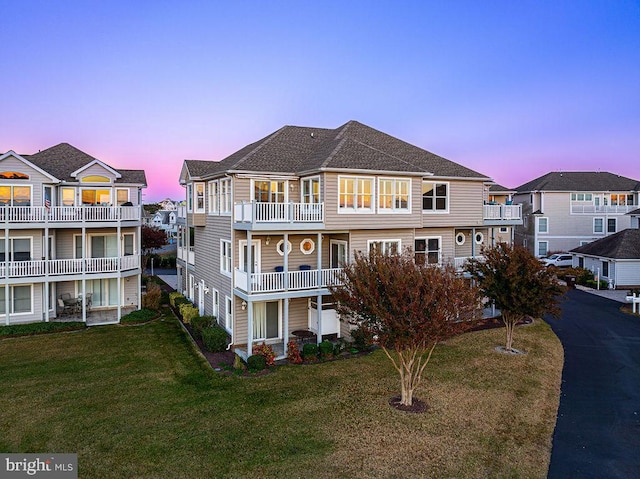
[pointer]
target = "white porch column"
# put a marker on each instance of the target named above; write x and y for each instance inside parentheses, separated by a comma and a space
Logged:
(285, 261)
(285, 320)
(6, 274)
(249, 259)
(319, 318)
(249, 328)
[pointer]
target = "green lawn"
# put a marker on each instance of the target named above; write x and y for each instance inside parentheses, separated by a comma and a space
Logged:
(136, 401)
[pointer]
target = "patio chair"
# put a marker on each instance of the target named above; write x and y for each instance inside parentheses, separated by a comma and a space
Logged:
(64, 308)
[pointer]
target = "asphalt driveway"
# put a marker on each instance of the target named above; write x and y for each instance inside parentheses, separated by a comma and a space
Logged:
(597, 434)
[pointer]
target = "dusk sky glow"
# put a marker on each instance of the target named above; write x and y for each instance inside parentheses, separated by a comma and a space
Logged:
(512, 89)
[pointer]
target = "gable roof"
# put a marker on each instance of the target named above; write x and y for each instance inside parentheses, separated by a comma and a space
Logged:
(580, 181)
(496, 188)
(624, 244)
(64, 159)
(352, 146)
(23, 159)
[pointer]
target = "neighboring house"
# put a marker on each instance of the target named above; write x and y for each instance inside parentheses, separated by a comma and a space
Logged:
(268, 229)
(168, 204)
(615, 258)
(166, 221)
(635, 218)
(71, 231)
(499, 195)
(564, 210)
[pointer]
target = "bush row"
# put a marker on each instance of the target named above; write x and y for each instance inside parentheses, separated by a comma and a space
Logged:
(214, 338)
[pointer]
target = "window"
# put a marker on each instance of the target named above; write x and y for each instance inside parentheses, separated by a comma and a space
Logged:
(435, 197)
(19, 299)
(611, 225)
(229, 317)
(385, 246)
(19, 249)
(13, 195)
(199, 197)
(583, 242)
(225, 196)
(213, 197)
(338, 253)
(122, 196)
(460, 239)
(104, 292)
(127, 244)
(95, 179)
(479, 238)
(189, 197)
(13, 175)
(428, 250)
(311, 190)
(393, 195)
(280, 247)
(266, 320)
(93, 197)
(68, 196)
(605, 269)
(225, 257)
(355, 195)
(216, 302)
(598, 225)
(580, 262)
(269, 191)
(543, 225)
(504, 229)
(543, 248)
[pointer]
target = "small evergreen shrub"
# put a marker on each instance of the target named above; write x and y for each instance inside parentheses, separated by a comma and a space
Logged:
(293, 352)
(140, 316)
(310, 352)
(173, 296)
(151, 300)
(326, 348)
(188, 311)
(267, 351)
(215, 339)
(201, 322)
(256, 362)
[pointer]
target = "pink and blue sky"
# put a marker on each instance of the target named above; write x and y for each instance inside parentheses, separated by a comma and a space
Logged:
(513, 89)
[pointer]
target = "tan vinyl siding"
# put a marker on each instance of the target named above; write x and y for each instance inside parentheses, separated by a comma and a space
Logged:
(96, 169)
(465, 205)
(359, 238)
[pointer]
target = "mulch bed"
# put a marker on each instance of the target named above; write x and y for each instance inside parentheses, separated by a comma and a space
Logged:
(417, 406)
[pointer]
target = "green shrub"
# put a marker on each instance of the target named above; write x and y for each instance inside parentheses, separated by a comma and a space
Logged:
(256, 362)
(215, 339)
(173, 296)
(200, 322)
(140, 316)
(151, 299)
(188, 311)
(362, 338)
(326, 348)
(310, 352)
(39, 328)
(265, 350)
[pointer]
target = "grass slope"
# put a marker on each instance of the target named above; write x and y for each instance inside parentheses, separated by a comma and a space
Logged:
(137, 402)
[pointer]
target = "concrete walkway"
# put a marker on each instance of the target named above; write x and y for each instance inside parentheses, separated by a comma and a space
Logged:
(613, 294)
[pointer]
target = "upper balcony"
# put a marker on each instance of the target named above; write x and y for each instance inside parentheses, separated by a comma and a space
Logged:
(281, 281)
(258, 216)
(68, 215)
(590, 209)
(502, 215)
(68, 267)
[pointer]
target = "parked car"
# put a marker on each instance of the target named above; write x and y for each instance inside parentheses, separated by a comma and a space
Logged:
(559, 260)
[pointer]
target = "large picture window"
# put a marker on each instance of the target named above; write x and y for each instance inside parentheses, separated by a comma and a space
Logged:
(435, 197)
(384, 246)
(355, 194)
(19, 249)
(393, 195)
(94, 197)
(14, 195)
(19, 299)
(269, 191)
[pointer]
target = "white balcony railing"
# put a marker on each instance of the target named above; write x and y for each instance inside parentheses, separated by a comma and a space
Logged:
(460, 262)
(502, 212)
(58, 267)
(186, 254)
(602, 209)
(258, 212)
(287, 281)
(66, 214)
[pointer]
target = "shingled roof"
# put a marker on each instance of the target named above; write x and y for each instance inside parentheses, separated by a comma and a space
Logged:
(352, 146)
(580, 181)
(63, 159)
(624, 244)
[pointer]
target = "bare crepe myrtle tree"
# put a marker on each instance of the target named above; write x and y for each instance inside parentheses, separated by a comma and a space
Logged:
(518, 283)
(408, 307)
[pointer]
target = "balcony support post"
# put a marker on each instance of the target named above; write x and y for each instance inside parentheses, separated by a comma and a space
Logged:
(249, 260)
(6, 273)
(319, 283)
(285, 262)
(285, 320)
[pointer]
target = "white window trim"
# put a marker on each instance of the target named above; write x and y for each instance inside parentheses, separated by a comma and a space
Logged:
(280, 249)
(385, 240)
(435, 211)
(308, 180)
(226, 200)
(9, 250)
(426, 252)
(355, 209)
(538, 248)
(464, 238)
(503, 229)
(604, 226)
(228, 318)
(346, 251)
(215, 301)
(280, 313)
(538, 224)
(196, 195)
(128, 200)
(394, 194)
(213, 197)
(479, 234)
(607, 226)
(11, 313)
(12, 185)
(223, 259)
(286, 188)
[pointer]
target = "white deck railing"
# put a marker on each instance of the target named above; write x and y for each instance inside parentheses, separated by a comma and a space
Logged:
(459, 262)
(66, 214)
(58, 267)
(287, 281)
(258, 212)
(602, 209)
(502, 212)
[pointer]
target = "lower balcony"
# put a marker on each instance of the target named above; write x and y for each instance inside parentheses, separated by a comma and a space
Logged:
(59, 267)
(502, 215)
(311, 279)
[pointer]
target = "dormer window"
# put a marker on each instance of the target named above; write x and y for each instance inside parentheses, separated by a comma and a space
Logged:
(13, 175)
(95, 179)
